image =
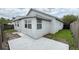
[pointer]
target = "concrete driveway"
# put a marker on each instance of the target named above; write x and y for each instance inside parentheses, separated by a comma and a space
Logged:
(27, 43)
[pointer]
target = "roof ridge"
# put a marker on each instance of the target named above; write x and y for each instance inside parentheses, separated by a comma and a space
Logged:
(40, 12)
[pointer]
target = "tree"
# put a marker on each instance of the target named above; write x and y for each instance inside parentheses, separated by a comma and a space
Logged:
(68, 19)
(4, 20)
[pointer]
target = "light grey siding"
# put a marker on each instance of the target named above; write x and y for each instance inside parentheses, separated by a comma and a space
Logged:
(51, 27)
(17, 27)
(24, 30)
(43, 31)
(55, 26)
(47, 27)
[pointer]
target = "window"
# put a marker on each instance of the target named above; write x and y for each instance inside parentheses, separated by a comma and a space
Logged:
(39, 24)
(28, 24)
(25, 23)
(18, 23)
(15, 23)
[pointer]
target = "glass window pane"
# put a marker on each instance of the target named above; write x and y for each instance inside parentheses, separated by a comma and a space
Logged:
(39, 26)
(18, 23)
(29, 26)
(25, 25)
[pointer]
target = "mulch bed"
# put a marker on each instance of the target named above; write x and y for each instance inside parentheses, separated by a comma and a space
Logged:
(8, 36)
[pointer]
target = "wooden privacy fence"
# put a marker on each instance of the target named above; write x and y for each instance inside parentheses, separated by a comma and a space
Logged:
(75, 30)
(2, 28)
(1, 36)
(6, 26)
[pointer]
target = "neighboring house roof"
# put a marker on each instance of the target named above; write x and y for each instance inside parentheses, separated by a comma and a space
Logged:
(38, 16)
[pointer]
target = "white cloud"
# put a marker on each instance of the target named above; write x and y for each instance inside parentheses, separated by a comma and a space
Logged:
(65, 11)
(13, 12)
(59, 12)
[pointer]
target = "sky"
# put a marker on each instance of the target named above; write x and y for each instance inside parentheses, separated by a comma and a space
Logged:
(58, 12)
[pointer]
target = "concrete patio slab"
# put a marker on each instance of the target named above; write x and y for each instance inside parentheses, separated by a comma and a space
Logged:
(27, 43)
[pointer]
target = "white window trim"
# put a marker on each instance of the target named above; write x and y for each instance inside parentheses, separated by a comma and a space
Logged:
(40, 24)
(29, 23)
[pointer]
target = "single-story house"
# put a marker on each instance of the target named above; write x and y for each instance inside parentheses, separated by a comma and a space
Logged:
(37, 24)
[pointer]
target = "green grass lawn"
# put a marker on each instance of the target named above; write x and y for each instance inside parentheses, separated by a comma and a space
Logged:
(65, 36)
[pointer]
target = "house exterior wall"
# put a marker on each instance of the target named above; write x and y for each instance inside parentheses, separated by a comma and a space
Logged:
(34, 32)
(56, 26)
(15, 26)
(43, 31)
(30, 32)
(47, 27)
(24, 30)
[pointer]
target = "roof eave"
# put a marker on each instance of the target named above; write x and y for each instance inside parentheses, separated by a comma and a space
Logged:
(43, 13)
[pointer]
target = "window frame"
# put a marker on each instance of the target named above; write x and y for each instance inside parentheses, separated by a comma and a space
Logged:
(27, 23)
(39, 22)
(30, 27)
(17, 23)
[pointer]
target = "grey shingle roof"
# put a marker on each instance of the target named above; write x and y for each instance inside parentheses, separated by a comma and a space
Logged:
(43, 18)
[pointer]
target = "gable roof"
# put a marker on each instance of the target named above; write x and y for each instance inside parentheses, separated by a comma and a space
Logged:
(43, 13)
(39, 12)
(38, 17)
